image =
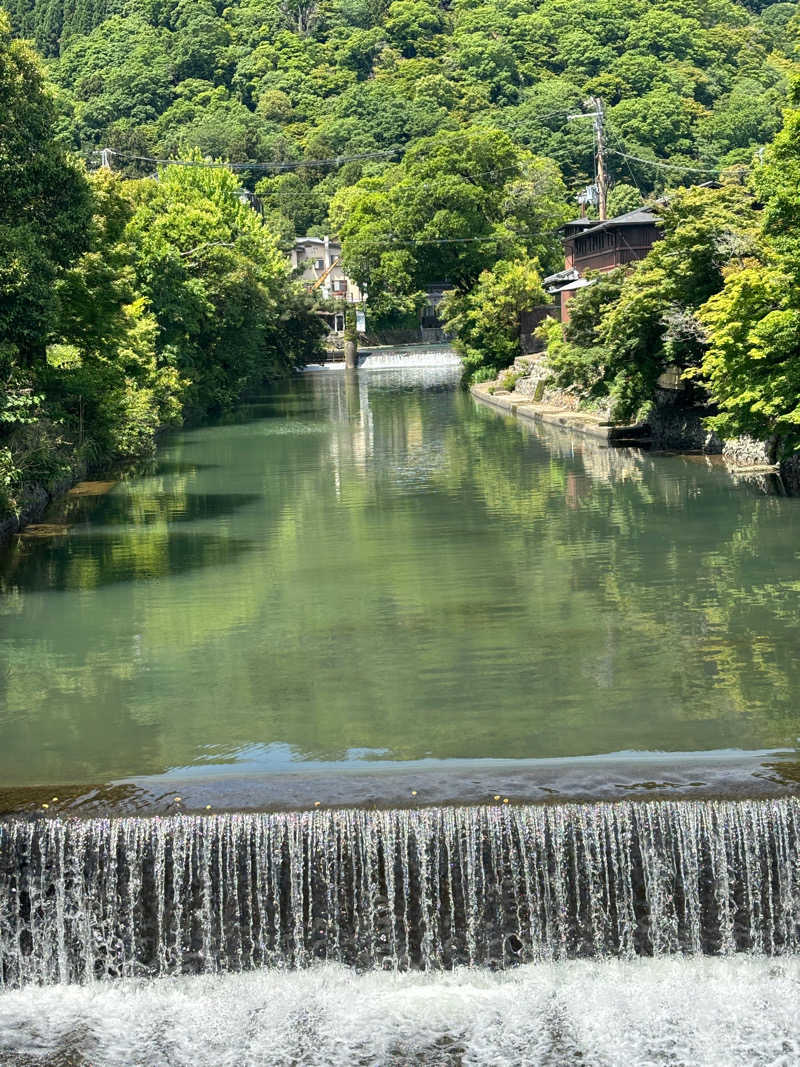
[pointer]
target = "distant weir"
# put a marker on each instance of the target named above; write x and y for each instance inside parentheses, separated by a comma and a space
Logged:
(425, 889)
(441, 357)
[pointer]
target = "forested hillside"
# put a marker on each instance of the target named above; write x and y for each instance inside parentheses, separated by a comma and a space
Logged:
(695, 85)
(442, 142)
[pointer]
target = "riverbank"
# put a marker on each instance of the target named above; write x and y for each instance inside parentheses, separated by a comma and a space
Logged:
(553, 414)
(34, 499)
(525, 392)
(35, 495)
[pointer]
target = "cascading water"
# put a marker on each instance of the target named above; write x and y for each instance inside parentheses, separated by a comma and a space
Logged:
(420, 889)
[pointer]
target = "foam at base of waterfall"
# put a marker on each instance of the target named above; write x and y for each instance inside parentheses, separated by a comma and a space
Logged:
(701, 1012)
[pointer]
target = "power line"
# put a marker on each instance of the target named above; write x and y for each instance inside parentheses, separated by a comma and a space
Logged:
(106, 153)
(335, 161)
(619, 141)
(668, 166)
(389, 240)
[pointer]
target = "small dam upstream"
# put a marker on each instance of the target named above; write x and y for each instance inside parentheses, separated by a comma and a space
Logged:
(425, 889)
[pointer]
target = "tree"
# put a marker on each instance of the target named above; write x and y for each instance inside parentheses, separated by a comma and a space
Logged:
(623, 198)
(104, 380)
(217, 282)
(751, 364)
(294, 199)
(487, 320)
(411, 25)
(45, 204)
(457, 204)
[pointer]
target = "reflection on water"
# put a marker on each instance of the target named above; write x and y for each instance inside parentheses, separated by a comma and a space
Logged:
(370, 563)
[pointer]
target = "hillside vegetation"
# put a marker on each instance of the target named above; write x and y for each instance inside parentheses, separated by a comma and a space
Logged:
(442, 142)
(692, 85)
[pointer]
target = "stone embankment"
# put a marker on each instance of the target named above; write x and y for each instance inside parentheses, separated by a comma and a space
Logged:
(526, 391)
(35, 502)
(554, 414)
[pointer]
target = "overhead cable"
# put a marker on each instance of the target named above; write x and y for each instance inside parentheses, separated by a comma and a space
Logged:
(335, 161)
(669, 166)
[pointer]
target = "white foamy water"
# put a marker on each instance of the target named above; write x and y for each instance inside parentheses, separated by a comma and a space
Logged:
(396, 889)
(693, 1012)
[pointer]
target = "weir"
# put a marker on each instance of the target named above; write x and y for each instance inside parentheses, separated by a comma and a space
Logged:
(401, 889)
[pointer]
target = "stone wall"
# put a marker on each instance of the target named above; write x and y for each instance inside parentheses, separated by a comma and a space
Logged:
(678, 426)
(790, 473)
(674, 423)
(746, 451)
(535, 383)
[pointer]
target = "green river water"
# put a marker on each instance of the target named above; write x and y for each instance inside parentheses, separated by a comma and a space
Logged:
(372, 568)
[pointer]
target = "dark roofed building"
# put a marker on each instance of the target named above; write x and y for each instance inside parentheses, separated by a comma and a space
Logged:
(611, 243)
(591, 245)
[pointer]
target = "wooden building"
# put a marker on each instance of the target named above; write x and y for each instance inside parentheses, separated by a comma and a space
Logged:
(601, 246)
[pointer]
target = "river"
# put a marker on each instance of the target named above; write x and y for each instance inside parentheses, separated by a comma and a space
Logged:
(374, 572)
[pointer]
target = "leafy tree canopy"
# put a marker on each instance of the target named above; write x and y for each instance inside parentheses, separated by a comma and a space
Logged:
(486, 321)
(45, 203)
(455, 205)
(310, 79)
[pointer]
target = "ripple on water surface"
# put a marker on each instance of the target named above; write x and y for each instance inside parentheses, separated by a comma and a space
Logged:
(371, 562)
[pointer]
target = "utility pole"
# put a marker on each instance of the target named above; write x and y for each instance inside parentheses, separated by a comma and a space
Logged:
(598, 117)
(602, 179)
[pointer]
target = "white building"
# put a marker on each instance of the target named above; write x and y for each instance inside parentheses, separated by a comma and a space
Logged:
(318, 261)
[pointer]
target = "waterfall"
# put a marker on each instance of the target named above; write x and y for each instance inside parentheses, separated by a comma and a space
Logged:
(418, 889)
(435, 356)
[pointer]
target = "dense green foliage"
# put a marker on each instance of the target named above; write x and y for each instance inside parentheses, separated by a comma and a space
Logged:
(313, 79)
(717, 299)
(628, 326)
(441, 141)
(751, 361)
(215, 279)
(406, 229)
(487, 320)
(124, 303)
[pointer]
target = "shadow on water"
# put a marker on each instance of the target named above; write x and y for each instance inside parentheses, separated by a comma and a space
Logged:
(92, 560)
(159, 507)
(158, 467)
